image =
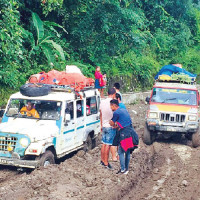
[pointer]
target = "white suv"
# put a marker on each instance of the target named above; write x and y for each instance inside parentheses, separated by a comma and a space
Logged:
(67, 122)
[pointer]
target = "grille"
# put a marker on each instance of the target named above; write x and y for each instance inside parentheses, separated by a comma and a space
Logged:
(166, 117)
(7, 141)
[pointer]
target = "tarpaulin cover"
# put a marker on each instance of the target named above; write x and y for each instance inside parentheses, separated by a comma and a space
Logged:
(170, 69)
(75, 80)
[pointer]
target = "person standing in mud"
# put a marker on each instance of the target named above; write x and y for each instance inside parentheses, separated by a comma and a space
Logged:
(108, 132)
(122, 120)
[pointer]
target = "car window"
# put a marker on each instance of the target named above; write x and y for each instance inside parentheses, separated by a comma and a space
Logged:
(70, 109)
(79, 108)
(91, 105)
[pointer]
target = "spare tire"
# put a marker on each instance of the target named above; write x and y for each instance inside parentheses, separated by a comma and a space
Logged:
(34, 90)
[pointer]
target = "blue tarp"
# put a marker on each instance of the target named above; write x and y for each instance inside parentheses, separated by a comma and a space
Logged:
(170, 69)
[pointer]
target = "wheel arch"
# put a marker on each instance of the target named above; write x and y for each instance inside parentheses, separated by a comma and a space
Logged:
(52, 149)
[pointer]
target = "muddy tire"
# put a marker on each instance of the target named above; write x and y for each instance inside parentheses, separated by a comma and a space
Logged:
(34, 90)
(147, 136)
(176, 137)
(88, 144)
(47, 159)
(188, 136)
(196, 139)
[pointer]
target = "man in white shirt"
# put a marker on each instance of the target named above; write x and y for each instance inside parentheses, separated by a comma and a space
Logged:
(108, 132)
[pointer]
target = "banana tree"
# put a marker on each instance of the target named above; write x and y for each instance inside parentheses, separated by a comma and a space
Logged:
(43, 42)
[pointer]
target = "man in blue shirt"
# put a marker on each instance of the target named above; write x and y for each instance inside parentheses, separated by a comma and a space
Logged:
(122, 121)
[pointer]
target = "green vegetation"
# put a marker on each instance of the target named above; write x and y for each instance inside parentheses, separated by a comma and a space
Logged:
(124, 37)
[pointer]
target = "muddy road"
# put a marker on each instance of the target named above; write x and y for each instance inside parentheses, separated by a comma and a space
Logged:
(165, 170)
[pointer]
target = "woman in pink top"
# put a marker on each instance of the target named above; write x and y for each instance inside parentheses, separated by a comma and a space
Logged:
(98, 77)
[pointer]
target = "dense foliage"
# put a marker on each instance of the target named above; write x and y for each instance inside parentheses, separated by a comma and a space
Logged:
(124, 37)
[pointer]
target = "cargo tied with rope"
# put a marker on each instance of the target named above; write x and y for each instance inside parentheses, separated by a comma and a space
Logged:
(67, 81)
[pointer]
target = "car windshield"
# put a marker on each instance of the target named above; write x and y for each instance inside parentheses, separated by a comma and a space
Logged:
(174, 96)
(37, 109)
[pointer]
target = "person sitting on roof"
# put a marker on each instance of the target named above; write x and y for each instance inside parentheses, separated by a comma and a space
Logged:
(29, 111)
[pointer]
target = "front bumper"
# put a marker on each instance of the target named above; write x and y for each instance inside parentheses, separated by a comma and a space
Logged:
(189, 127)
(19, 163)
(171, 129)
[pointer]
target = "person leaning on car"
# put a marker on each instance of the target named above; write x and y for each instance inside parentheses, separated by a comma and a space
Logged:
(29, 110)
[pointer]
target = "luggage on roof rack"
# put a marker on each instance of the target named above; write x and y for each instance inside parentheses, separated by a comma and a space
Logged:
(74, 80)
(180, 78)
(173, 73)
(42, 83)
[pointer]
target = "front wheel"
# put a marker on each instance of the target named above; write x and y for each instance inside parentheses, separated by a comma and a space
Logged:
(196, 139)
(147, 136)
(47, 159)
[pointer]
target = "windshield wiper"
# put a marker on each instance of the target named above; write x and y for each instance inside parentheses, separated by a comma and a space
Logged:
(168, 100)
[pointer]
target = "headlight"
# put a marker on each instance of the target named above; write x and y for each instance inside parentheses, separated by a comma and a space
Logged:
(153, 115)
(192, 118)
(24, 142)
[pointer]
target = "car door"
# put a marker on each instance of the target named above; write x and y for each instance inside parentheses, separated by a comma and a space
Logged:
(80, 122)
(69, 129)
(93, 117)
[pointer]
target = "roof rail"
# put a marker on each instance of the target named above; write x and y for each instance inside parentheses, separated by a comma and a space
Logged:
(67, 88)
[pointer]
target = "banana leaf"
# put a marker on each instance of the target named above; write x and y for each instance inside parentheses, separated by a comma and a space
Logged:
(39, 26)
(57, 47)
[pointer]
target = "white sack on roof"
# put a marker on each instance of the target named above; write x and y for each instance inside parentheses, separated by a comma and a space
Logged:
(72, 69)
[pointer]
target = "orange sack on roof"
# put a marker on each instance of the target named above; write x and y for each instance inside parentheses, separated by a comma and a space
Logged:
(74, 80)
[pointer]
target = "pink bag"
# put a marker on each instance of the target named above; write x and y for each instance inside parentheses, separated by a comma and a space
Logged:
(102, 82)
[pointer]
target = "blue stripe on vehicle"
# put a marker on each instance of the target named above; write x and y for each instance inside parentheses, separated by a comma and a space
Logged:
(54, 142)
(80, 127)
(4, 119)
(92, 123)
(59, 123)
(68, 131)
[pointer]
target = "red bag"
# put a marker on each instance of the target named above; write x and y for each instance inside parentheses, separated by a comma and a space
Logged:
(102, 82)
(127, 143)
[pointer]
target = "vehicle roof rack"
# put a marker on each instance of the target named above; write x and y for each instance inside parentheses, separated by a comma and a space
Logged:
(67, 88)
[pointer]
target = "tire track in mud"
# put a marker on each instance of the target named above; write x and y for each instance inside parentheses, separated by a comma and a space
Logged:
(142, 172)
(140, 169)
(174, 175)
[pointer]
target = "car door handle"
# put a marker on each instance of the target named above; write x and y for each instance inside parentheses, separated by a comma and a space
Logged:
(97, 117)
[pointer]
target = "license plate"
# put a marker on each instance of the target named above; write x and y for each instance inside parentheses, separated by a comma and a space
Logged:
(170, 129)
(3, 161)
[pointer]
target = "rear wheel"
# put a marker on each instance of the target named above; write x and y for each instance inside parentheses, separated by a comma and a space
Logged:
(47, 159)
(196, 139)
(89, 144)
(148, 137)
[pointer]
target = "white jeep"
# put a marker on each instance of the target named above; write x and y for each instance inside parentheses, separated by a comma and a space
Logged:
(67, 122)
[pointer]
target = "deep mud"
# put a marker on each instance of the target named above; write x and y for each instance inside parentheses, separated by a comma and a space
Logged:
(164, 170)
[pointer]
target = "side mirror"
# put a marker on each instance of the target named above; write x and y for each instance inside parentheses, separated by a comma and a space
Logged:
(2, 112)
(67, 117)
(147, 99)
